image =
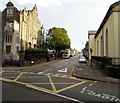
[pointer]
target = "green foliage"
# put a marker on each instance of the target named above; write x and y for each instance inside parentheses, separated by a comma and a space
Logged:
(58, 38)
(36, 53)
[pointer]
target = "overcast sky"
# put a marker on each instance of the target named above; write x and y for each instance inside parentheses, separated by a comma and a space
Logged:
(76, 16)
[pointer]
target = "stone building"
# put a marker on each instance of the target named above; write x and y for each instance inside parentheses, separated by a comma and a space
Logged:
(31, 29)
(10, 26)
(21, 29)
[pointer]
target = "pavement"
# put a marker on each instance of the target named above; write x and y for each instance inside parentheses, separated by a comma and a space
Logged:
(32, 66)
(85, 71)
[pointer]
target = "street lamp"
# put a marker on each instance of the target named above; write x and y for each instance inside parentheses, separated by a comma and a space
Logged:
(91, 50)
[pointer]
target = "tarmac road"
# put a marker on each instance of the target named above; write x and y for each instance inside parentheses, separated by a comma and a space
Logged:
(56, 79)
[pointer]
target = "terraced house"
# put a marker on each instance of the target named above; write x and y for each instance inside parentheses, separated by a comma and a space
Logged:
(106, 41)
(21, 30)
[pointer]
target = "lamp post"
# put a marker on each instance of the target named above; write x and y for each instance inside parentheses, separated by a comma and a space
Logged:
(91, 50)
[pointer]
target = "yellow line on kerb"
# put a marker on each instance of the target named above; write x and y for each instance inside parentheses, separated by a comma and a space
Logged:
(18, 77)
(61, 90)
(52, 84)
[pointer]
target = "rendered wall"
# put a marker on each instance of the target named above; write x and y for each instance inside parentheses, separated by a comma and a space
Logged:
(113, 42)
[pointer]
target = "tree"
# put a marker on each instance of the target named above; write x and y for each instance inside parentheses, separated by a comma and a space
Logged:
(58, 39)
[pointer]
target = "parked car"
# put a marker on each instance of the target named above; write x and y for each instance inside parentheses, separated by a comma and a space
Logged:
(66, 56)
(82, 59)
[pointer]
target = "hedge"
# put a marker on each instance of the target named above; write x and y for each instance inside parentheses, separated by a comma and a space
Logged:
(36, 53)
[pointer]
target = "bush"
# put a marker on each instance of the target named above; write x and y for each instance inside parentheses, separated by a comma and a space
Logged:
(32, 53)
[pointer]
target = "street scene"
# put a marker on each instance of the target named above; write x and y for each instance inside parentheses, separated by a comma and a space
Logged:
(55, 80)
(49, 51)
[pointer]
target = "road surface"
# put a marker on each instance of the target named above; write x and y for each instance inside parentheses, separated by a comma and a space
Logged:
(55, 82)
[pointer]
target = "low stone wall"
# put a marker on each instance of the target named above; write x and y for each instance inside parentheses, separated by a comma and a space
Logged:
(33, 62)
(113, 71)
(104, 64)
(97, 64)
(10, 63)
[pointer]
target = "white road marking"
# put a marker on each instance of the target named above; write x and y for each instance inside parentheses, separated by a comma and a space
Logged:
(83, 89)
(99, 95)
(57, 75)
(64, 76)
(60, 66)
(80, 69)
(44, 71)
(32, 73)
(63, 70)
(40, 72)
(91, 84)
(49, 74)
(66, 63)
(95, 81)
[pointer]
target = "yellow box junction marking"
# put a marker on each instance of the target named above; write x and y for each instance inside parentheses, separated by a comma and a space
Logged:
(29, 77)
(39, 88)
(52, 84)
(18, 77)
(61, 90)
(54, 90)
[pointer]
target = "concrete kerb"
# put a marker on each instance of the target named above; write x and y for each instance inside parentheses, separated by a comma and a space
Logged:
(79, 77)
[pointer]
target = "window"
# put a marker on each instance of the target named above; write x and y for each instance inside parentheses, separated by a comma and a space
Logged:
(8, 49)
(17, 39)
(35, 46)
(8, 11)
(29, 44)
(17, 49)
(97, 48)
(106, 42)
(8, 38)
(9, 18)
(102, 46)
(11, 11)
(10, 25)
